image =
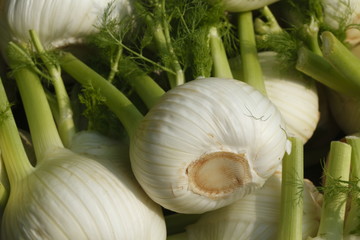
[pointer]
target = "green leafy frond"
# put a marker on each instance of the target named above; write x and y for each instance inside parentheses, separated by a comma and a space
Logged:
(285, 43)
(335, 187)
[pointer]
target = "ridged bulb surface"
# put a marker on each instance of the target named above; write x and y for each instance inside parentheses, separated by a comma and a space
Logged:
(342, 13)
(70, 196)
(257, 215)
(206, 144)
(58, 23)
(296, 97)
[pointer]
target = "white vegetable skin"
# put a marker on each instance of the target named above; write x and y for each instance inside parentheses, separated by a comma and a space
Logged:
(296, 97)
(257, 215)
(341, 13)
(245, 5)
(206, 144)
(58, 23)
(70, 196)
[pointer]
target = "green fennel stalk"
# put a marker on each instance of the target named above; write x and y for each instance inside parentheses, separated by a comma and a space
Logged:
(292, 185)
(352, 221)
(336, 190)
(113, 98)
(148, 90)
(65, 114)
(340, 57)
(252, 73)
(221, 67)
(42, 126)
(322, 71)
(12, 150)
(13, 154)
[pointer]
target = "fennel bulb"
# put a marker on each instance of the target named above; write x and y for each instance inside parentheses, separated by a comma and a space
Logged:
(256, 216)
(206, 144)
(67, 195)
(70, 196)
(244, 5)
(340, 13)
(58, 23)
(295, 97)
(203, 145)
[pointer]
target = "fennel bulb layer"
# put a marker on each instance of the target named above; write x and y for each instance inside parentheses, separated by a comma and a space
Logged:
(296, 97)
(206, 144)
(256, 216)
(340, 14)
(70, 196)
(58, 23)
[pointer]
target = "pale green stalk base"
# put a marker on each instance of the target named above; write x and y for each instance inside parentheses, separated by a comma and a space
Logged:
(322, 71)
(341, 58)
(292, 187)
(352, 221)
(221, 65)
(249, 57)
(148, 90)
(117, 102)
(65, 120)
(12, 150)
(312, 31)
(43, 130)
(333, 209)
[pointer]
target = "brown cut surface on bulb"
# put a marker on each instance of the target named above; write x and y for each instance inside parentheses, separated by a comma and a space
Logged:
(217, 174)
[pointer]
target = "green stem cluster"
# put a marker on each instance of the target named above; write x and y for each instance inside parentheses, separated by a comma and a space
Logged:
(43, 130)
(322, 71)
(337, 67)
(65, 120)
(12, 150)
(341, 58)
(117, 102)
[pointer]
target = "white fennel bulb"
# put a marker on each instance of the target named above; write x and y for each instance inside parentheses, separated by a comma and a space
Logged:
(245, 5)
(339, 13)
(206, 144)
(295, 97)
(142, 216)
(68, 195)
(58, 23)
(256, 216)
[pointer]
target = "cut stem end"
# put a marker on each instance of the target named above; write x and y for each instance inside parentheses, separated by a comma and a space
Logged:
(218, 174)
